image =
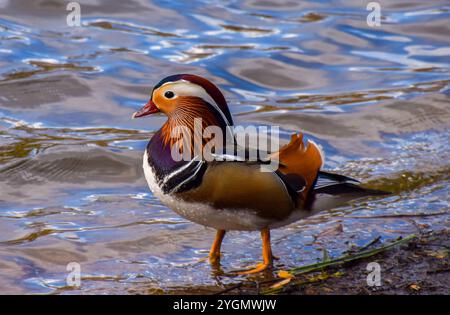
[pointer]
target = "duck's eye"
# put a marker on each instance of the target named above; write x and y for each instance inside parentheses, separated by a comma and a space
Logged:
(169, 94)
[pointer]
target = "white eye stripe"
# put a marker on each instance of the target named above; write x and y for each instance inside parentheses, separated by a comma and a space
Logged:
(186, 88)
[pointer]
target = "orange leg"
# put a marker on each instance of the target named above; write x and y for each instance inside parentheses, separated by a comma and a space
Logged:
(266, 253)
(214, 253)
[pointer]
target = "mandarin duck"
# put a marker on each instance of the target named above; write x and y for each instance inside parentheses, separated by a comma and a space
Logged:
(233, 193)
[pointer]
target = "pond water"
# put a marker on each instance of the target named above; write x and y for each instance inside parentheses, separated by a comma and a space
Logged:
(71, 184)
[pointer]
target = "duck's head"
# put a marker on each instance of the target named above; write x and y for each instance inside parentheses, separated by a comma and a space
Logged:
(183, 97)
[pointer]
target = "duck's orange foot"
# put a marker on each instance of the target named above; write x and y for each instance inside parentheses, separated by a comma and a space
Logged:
(259, 267)
(214, 259)
(214, 253)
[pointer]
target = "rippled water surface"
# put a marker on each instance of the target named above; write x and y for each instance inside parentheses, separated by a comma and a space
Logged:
(71, 183)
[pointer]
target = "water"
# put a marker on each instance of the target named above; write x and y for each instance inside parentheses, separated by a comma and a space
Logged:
(71, 184)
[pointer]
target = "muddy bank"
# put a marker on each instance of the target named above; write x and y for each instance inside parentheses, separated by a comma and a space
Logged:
(422, 266)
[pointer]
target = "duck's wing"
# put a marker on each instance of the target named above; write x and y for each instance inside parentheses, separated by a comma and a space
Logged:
(236, 153)
(243, 186)
(235, 181)
(293, 183)
(300, 159)
(297, 162)
(327, 189)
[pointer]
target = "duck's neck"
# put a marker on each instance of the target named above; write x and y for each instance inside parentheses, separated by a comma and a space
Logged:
(186, 131)
(159, 156)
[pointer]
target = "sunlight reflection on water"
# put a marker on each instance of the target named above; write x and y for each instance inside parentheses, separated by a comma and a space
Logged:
(71, 183)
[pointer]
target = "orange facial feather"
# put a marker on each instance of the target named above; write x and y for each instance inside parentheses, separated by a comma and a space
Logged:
(188, 108)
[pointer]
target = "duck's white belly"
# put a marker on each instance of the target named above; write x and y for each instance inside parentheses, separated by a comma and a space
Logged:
(204, 214)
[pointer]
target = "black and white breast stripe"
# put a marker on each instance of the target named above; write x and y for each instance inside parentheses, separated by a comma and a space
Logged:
(183, 178)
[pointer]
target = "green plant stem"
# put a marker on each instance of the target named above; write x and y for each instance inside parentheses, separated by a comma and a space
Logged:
(343, 259)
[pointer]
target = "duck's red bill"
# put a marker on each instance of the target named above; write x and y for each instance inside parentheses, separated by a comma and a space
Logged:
(149, 108)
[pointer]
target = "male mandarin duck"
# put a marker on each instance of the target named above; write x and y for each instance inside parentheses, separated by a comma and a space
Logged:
(234, 194)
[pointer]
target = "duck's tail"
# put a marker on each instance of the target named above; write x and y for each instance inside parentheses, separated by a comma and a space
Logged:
(306, 160)
(334, 184)
(333, 190)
